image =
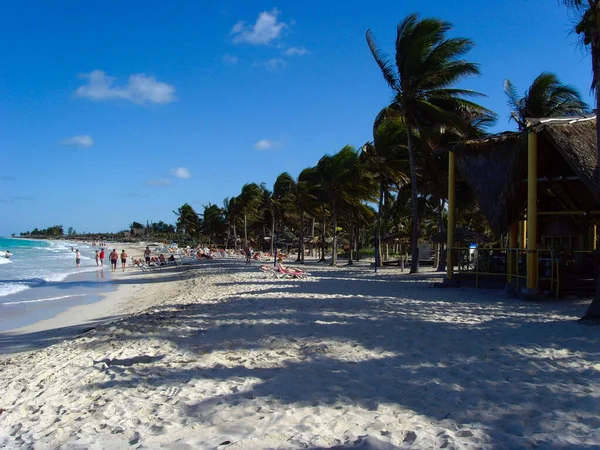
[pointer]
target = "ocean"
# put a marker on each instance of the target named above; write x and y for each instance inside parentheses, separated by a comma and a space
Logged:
(41, 280)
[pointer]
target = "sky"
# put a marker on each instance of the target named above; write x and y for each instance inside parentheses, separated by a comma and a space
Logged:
(113, 112)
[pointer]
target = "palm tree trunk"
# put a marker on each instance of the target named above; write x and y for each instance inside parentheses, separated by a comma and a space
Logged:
(323, 236)
(442, 254)
(358, 240)
(593, 311)
(234, 236)
(334, 235)
(245, 231)
(272, 229)
(378, 261)
(416, 232)
(312, 236)
(301, 243)
(350, 244)
(596, 70)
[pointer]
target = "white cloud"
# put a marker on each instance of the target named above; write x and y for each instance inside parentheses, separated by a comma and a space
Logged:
(267, 144)
(230, 59)
(180, 172)
(79, 141)
(272, 64)
(140, 88)
(265, 30)
(296, 51)
(159, 182)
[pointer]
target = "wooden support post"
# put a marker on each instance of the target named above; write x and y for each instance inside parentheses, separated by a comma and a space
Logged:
(593, 238)
(532, 256)
(451, 214)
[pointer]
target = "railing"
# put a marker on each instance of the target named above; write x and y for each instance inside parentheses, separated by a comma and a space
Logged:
(509, 263)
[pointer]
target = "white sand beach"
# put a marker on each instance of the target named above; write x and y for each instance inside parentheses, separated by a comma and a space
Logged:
(217, 356)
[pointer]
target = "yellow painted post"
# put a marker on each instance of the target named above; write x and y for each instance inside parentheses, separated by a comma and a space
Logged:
(451, 214)
(532, 279)
(593, 237)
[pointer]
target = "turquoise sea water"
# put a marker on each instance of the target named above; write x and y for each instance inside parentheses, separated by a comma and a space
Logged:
(41, 279)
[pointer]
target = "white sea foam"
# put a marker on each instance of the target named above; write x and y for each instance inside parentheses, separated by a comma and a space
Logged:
(37, 262)
(11, 288)
(44, 299)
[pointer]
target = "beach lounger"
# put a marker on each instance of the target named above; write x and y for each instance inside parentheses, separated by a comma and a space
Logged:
(277, 272)
(148, 267)
(271, 272)
(291, 272)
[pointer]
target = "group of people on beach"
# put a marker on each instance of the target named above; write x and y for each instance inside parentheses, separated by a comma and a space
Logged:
(99, 257)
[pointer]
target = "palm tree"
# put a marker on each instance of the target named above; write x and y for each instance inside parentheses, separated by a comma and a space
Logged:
(546, 97)
(385, 158)
(249, 199)
(283, 197)
(231, 210)
(588, 28)
(213, 222)
(304, 199)
(188, 220)
(338, 175)
(362, 188)
(427, 64)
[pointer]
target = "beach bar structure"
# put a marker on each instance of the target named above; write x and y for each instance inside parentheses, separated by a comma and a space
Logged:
(539, 187)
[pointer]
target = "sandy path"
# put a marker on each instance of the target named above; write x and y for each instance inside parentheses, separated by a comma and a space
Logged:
(228, 359)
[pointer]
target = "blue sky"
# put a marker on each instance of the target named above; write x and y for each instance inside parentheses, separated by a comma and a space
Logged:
(112, 112)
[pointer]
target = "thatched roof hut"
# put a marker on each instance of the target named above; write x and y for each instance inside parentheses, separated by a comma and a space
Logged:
(495, 169)
(401, 237)
(465, 235)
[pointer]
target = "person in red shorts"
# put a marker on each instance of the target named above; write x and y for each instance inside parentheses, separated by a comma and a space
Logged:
(101, 256)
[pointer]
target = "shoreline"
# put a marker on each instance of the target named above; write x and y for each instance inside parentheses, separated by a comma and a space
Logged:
(54, 322)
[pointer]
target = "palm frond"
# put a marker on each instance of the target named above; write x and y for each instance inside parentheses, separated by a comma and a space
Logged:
(382, 61)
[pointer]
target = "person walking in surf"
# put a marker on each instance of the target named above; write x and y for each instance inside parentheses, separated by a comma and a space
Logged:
(114, 257)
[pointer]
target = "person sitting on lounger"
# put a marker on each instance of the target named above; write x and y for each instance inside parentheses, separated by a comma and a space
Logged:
(290, 270)
(161, 259)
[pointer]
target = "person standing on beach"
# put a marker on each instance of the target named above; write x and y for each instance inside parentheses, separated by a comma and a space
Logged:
(147, 254)
(77, 257)
(123, 259)
(102, 256)
(97, 258)
(114, 257)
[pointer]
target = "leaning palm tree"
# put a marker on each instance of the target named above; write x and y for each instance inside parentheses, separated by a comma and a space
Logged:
(427, 65)
(588, 28)
(546, 97)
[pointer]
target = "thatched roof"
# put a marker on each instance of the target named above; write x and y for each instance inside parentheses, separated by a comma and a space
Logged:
(396, 238)
(462, 235)
(577, 144)
(495, 169)
(492, 168)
